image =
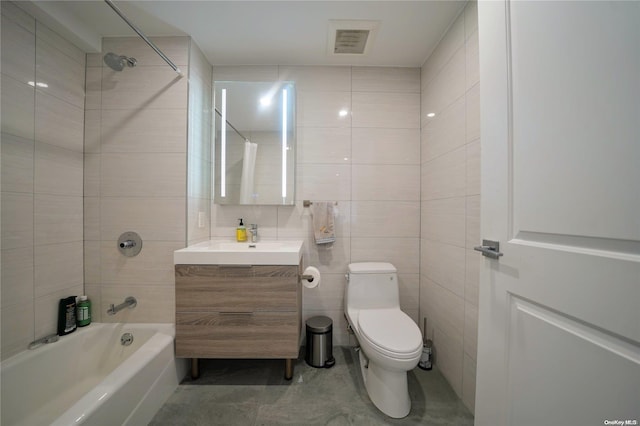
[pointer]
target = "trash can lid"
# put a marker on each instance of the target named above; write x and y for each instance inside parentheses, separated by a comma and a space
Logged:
(319, 324)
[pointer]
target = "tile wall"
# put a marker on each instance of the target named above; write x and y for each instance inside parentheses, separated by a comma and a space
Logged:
(368, 162)
(450, 202)
(42, 142)
(135, 174)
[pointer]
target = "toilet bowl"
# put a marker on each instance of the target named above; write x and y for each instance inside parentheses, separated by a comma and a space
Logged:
(390, 342)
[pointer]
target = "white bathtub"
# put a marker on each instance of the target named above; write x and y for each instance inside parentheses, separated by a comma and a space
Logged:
(89, 378)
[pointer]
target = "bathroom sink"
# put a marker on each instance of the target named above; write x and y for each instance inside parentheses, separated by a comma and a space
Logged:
(221, 252)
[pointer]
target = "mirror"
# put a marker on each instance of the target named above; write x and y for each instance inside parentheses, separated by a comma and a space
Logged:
(254, 142)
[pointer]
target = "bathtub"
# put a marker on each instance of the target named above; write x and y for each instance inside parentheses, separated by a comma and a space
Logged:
(89, 378)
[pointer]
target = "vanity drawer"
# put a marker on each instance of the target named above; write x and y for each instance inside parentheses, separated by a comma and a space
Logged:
(213, 288)
(237, 334)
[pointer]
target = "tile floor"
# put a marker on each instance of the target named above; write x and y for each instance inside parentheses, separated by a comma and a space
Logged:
(254, 392)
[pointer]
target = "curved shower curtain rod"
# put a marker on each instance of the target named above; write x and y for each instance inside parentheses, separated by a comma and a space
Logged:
(144, 37)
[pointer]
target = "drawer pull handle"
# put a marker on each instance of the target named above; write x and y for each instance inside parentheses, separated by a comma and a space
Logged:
(236, 313)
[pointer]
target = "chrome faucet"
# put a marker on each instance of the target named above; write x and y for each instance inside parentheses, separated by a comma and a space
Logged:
(129, 302)
(43, 340)
(254, 232)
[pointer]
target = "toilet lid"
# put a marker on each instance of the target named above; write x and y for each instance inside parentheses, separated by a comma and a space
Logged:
(390, 329)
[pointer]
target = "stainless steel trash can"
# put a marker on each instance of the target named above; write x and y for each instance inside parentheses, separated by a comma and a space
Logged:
(320, 342)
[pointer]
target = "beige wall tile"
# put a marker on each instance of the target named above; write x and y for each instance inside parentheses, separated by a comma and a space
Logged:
(323, 182)
(445, 132)
(473, 168)
(385, 146)
(46, 310)
(321, 109)
(445, 176)
(470, 330)
(473, 113)
(447, 86)
(17, 164)
(469, 384)
(93, 88)
(386, 79)
(92, 123)
(472, 61)
(385, 182)
(176, 48)
(444, 264)
(55, 41)
(17, 326)
(403, 253)
(153, 265)
(409, 285)
(155, 219)
(143, 175)
(58, 219)
(155, 303)
(441, 55)
(473, 221)
(473, 260)
(327, 296)
(92, 262)
(94, 59)
(328, 258)
(17, 276)
(443, 221)
(91, 220)
(471, 18)
(57, 267)
(92, 175)
(144, 87)
(322, 145)
(59, 123)
(14, 13)
(386, 110)
(63, 75)
(18, 51)
(385, 219)
(17, 108)
(17, 220)
(144, 130)
(317, 78)
(58, 171)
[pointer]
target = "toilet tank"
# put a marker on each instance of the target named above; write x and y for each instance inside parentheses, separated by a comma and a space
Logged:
(372, 285)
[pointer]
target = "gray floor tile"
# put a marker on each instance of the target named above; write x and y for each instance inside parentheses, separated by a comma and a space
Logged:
(254, 392)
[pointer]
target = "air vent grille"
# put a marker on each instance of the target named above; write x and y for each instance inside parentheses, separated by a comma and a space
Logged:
(351, 41)
(351, 38)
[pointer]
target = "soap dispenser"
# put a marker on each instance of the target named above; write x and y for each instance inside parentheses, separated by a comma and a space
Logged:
(241, 232)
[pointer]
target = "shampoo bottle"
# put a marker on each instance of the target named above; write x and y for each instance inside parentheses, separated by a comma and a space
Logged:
(67, 316)
(83, 311)
(241, 232)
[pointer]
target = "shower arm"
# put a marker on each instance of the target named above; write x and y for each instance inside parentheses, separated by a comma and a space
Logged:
(232, 126)
(144, 37)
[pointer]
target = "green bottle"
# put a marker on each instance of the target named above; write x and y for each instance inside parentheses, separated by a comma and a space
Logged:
(83, 315)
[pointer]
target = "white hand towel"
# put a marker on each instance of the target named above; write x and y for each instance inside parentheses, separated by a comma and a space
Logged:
(323, 223)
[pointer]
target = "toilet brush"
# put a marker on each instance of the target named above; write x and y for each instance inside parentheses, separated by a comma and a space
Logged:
(427, 345)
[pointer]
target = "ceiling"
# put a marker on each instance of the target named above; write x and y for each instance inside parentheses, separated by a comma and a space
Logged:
(262, 32)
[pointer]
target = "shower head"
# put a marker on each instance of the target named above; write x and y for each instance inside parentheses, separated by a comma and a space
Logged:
(118, 62)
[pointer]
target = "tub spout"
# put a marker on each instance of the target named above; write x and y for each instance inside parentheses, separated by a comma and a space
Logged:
(43, 340)
(129, 302)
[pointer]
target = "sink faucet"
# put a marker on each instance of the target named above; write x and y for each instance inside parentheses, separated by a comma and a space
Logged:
(254, 232)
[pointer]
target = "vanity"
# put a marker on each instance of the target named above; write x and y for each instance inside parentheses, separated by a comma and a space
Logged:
(239, 300)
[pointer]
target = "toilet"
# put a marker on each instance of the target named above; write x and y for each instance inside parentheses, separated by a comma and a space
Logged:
(390, 342)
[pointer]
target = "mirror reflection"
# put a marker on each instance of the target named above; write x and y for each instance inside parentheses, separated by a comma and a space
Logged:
(254, 142)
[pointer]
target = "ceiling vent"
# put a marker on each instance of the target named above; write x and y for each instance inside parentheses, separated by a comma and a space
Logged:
(351, 37)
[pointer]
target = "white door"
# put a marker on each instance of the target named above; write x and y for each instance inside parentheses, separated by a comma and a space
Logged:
(559, 313)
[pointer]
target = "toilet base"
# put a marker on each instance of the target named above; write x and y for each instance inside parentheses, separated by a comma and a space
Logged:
(387, 389)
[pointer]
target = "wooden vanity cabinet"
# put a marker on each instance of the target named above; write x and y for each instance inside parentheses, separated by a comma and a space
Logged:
(229, 311)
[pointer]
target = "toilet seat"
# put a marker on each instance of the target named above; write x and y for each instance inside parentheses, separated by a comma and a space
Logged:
(391, 332)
